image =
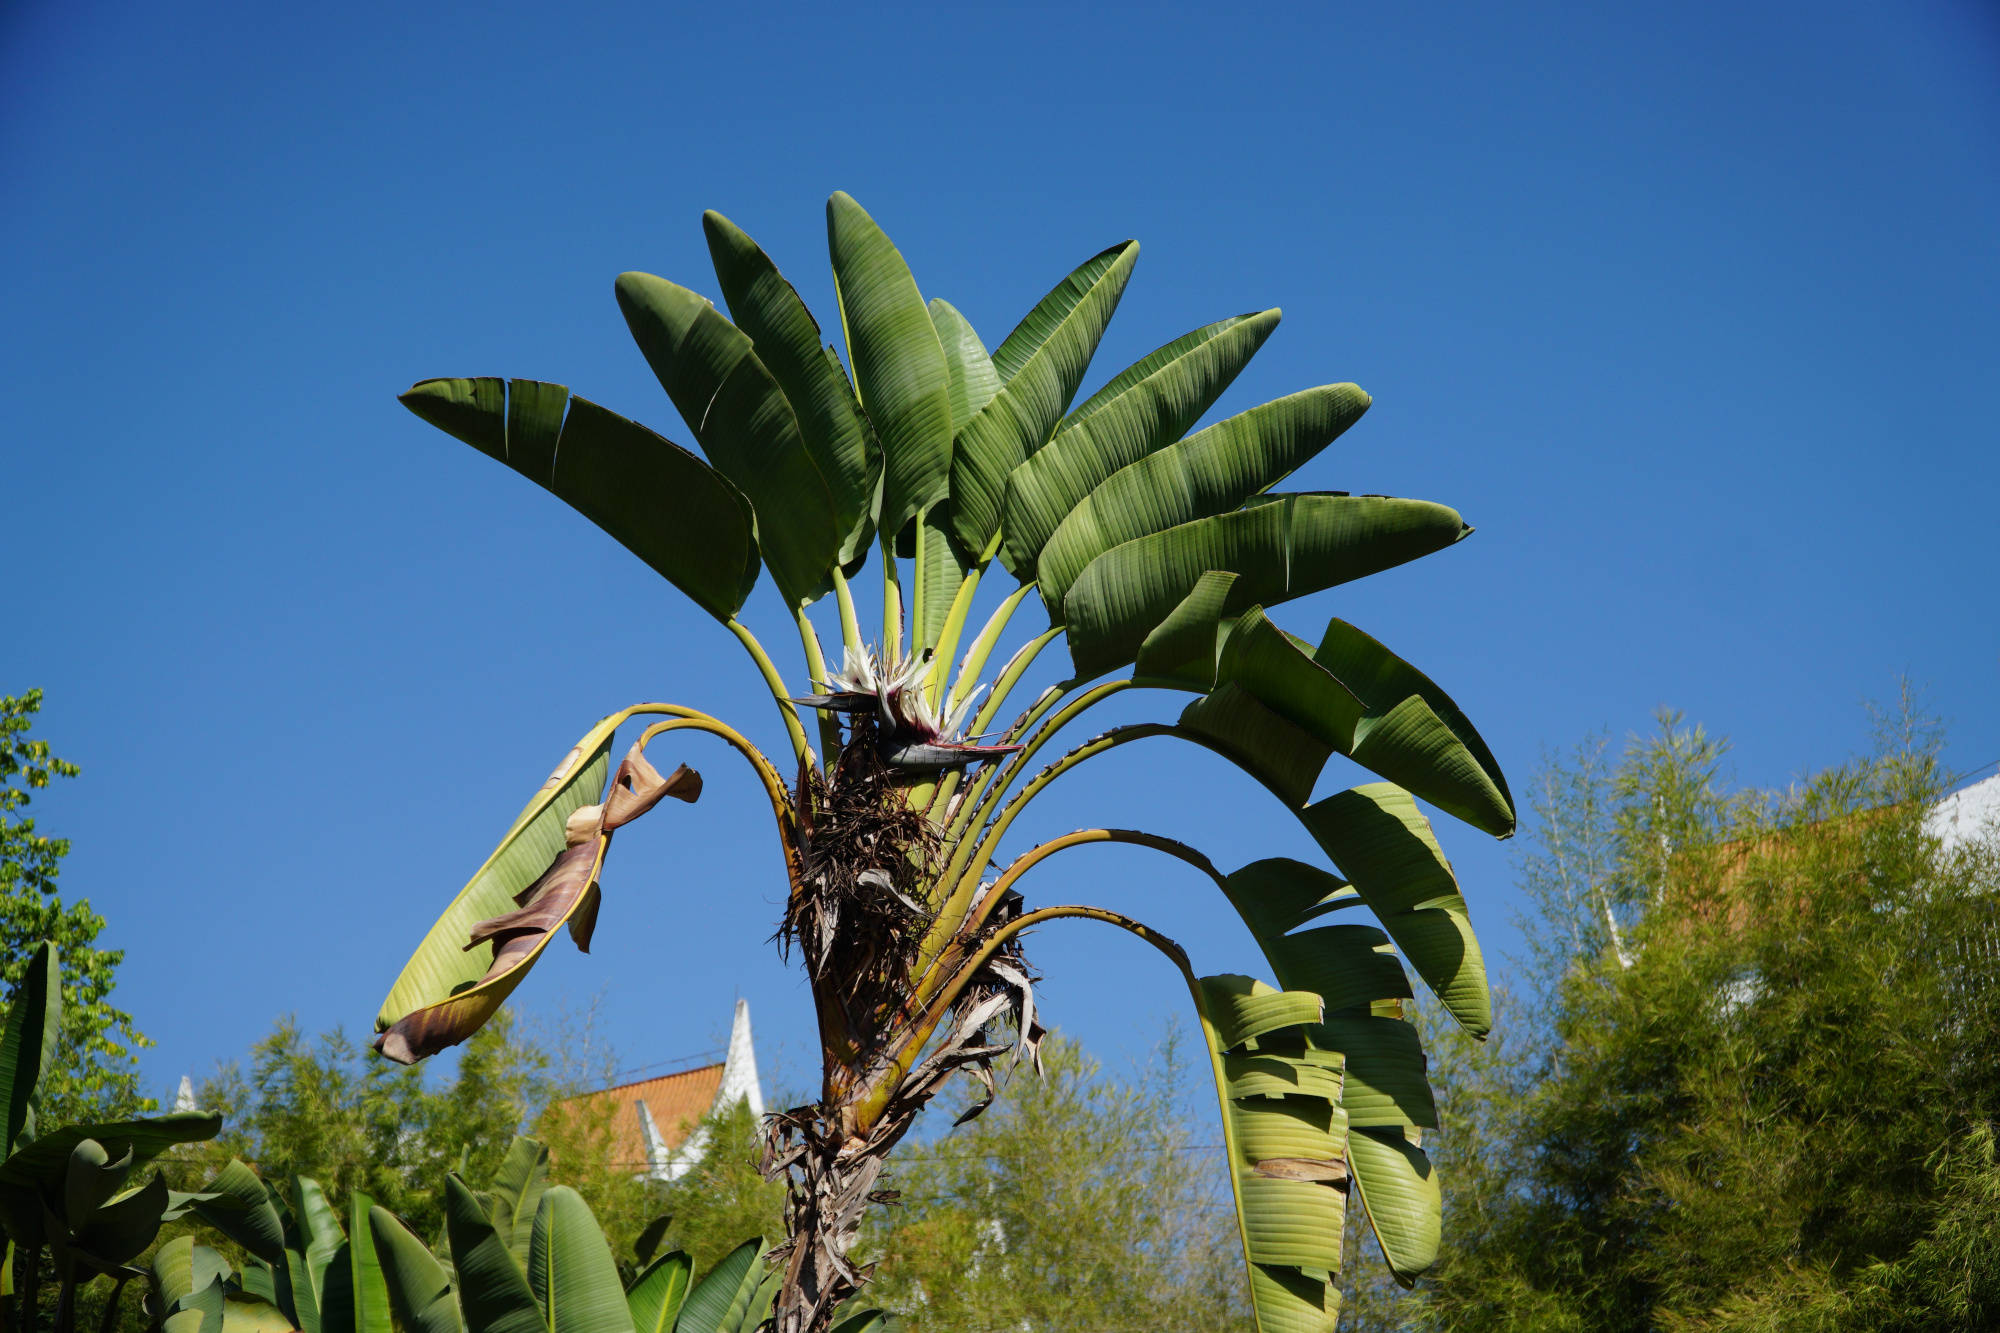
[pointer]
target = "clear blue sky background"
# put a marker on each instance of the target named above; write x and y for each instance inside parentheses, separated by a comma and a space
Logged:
(1691, 309)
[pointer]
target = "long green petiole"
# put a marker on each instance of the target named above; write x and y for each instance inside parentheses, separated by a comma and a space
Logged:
(969, 852)
(776, 684)
(983, 720)
(892, 604)
(1210, 1039)
(850, 623)
(954, 626)
(829, 726)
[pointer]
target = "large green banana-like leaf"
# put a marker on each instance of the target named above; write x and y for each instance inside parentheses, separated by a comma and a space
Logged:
(1385, 1094)
(542, 876)
(516, 1193)
(682, 517)
(1366, 703)
(1399, 1189)
(1383, 844)
(1414, 735)
(1284, 1135)
(707, 1308)
(113, 1233)
(1231, 721)
(315, 1240)
(1147, 406)
(655, 1296)
(745, 424)
(899, 365)
(243, 1312)
(42, 1165)
(1186, 644)
(1178, 357)
(493, 1292)
(945, 565)
(1210, 472)
(753, 1306)
(1052, 313)
(420, 1290)
(1040, 365)
(181, 1269)
(1282, 547)
(193, 1293)
(973, 379)
(237, 1204)
(29, 1041)
(789, 343)
(356, 1296)
(570, 1269)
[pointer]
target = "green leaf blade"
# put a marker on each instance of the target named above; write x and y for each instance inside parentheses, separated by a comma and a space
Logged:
(687, 521)
(708, 1305)
(570, 1269)
(1210, 472)
(744, 423)
(1146, 407)
(440, 996)
(656, 1295)
(1051, 350)
(493, 1291)
(899, 365)
(28, 1043)
(1384, 846)
(788, 340)
(1282, 547)
(418, 1287)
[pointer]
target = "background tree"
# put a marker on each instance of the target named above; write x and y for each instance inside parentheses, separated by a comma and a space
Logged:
(1767, 1099)
(95, 1075)
(327, 1108)
(1078, 1201)
(724, 1198)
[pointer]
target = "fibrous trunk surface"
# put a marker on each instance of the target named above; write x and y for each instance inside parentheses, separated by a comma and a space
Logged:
(861, 906)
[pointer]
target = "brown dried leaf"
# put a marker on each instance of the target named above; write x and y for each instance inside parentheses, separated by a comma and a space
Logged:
(1301, 1168)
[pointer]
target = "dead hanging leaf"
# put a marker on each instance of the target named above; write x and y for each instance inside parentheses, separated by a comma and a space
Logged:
(567, 893)
(638, 787)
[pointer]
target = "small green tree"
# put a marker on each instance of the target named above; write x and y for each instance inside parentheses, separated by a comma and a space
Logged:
(95, 1075)
(327, 1108)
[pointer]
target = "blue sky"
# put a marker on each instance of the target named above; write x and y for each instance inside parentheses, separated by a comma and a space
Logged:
(1691, 310)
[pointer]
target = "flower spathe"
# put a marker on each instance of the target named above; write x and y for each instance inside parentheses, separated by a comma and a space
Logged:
(911, 733)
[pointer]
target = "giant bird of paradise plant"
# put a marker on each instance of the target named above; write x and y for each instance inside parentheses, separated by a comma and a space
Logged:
(1155, 549)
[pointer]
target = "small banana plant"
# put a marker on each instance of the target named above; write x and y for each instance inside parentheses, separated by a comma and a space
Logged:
(76, 1191)
(545, 1267)
(1156, 550)
(305, 1270)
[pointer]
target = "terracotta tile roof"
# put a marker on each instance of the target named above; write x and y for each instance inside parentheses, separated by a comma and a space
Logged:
(677, 1101)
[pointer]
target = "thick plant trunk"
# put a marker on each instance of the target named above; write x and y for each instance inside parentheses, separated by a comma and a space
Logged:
(832, 1184)
(833, 1156)
(864, 900)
